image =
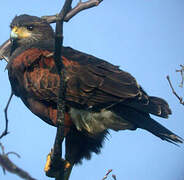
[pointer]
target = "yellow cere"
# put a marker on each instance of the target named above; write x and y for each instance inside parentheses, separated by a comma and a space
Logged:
(21, 32)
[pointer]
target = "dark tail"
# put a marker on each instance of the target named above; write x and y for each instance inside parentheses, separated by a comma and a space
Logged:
(152, 105)
(144, 121)
(160, 131)
(162, 105)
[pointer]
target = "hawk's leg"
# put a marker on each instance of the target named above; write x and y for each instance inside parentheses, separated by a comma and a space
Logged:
(51, 170)
(54, 167)
(49, 114)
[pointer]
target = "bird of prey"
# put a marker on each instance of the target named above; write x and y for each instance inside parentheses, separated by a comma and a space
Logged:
(99, 95)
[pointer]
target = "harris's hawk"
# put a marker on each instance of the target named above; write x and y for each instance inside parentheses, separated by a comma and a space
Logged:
(99, 95)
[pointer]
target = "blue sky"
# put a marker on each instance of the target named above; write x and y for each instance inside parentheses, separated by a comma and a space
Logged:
(145, 38)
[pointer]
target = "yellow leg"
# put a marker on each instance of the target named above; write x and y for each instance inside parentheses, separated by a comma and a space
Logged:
(48, 163)
(51, 172)
(67, 164)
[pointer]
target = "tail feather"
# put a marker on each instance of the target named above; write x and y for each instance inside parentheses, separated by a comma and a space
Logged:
(160, 131)
(152, 105)
(144, 121)
(164, 107)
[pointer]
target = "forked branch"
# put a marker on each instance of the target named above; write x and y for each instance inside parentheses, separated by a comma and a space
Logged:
(74, 11)
(65, 15)
(182, 75)
(174, 92)
(107, 174)
(9, 166)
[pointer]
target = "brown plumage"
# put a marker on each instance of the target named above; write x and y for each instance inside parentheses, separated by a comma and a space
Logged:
(99, 95)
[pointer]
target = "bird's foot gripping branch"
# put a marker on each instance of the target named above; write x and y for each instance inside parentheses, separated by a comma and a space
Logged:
(52, 169)
(66, 13)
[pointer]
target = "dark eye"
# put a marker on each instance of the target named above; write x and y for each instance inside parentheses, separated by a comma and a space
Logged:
(30, 28)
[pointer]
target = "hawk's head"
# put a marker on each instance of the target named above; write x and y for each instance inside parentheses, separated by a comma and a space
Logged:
(29, 29)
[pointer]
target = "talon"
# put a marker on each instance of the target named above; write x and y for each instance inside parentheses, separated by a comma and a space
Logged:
(48, 163)
(67, 164)
(51, 170)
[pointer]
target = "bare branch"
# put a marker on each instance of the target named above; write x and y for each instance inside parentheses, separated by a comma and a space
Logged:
(2, 148)
(105, 177)
(114, 177)
(5, 132)
(56, 154)
(78, 8)
(182, 75)
(174, 92)
(5, 50)
(8, 165)
(4, 54)
(14, 153)
(5, 58)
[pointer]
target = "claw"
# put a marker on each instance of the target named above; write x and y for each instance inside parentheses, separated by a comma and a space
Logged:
(67, 165)
(48, 163)
(49, 169)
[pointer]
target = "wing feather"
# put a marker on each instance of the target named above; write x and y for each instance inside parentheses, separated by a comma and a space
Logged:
(90, 81)
(103, 76)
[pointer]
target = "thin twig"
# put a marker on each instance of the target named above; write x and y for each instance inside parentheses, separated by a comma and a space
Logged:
(182, 75)
(174, 92)
(2, 148)
(5, 58)
(8, 165)
(14, 153)
(114, 177)
(5, 132)
(105, 177)
(4, 54)
(5, 50)
(78, 8)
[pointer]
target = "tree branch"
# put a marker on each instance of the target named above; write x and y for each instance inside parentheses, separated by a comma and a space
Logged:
(5, 132)
(182, 75)
(174, 92)
(114, 177)
(78, 8)
(56, 153)
(105, 177)
(5, 50)
(5, 54)
(9, 166)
